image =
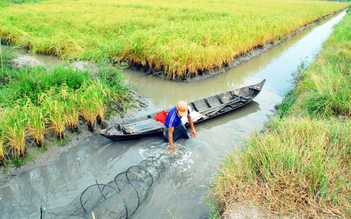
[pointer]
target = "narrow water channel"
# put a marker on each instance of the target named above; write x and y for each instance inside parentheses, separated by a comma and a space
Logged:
(180, 191)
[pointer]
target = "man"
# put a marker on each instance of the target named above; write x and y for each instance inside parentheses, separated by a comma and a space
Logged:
(174, 126)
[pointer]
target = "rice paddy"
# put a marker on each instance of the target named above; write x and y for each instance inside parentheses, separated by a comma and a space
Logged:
(180, 38)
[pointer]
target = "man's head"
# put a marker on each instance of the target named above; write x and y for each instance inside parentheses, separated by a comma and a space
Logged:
(182, 108)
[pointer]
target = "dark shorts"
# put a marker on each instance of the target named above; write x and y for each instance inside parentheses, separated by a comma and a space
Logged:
(179, 132)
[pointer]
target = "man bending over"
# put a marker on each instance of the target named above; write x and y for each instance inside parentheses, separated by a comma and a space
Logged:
(174, 127)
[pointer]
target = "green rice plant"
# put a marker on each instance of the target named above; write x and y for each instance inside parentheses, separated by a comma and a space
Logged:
(67, 76)
(26, 82)
(36, 123)
(31, 82)
(116, 89)
(15, 131)
(112, 77)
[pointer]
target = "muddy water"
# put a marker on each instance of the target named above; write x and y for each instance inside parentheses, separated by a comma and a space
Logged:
(180, 190)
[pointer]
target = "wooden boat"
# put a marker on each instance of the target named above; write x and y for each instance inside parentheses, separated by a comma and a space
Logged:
(201, 110)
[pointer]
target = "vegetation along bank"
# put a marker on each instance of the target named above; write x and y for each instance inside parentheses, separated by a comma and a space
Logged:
(300, 165)
(179, 38)
(40, 106)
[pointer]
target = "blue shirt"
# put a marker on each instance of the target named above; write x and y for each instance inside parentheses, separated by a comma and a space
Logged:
(173, 119)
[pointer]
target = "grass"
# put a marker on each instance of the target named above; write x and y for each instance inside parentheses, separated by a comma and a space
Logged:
(324, 91)
(300, 165)
(180, 38)
(39, 104)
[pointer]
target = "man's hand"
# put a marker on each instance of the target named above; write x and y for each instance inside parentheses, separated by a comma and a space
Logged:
(172, 149)
(193, 133)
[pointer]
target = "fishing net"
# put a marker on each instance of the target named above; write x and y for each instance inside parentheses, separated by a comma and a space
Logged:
(120, 197)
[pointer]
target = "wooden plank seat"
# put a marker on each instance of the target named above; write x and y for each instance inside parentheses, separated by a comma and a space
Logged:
(142, 126)
(200, 105)
(214, 101)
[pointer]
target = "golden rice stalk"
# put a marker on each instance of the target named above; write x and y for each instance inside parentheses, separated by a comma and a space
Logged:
(2, 150)
(36, 124)
(88, 112)
(15, 131)
(99, 109)
(55, 113)
(64, 92)
(72, 118)
(2, 139)
(57, 119)
(92, 104)
(71, 111)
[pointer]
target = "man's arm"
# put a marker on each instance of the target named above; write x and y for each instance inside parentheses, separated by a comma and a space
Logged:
(170, 138)
(191, 123)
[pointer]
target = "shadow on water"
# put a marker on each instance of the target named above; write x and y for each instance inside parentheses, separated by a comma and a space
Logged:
(180, 191)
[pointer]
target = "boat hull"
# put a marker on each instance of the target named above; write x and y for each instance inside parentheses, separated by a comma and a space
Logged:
(201, 110)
